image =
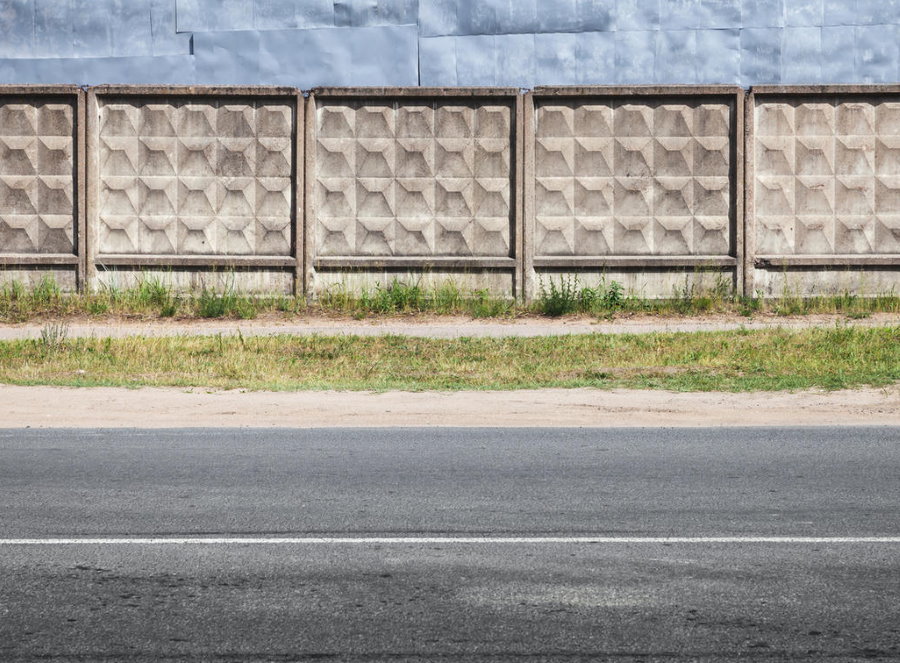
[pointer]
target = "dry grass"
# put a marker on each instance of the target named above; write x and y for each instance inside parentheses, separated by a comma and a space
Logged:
(833, 358)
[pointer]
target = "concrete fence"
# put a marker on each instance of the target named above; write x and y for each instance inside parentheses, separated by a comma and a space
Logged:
(199, 185)
(414, 183)
(662, 189)
(638, 185)
(823, 189)
(42, 219)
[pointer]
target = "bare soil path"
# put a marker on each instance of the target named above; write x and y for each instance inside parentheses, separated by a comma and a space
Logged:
(54, 407)
(437, 326)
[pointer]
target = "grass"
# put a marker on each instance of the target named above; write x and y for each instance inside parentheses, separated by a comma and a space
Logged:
(403, 298)
(830, 358)
(152, 298)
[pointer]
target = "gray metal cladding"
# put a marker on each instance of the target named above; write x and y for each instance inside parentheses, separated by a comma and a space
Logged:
(383, 55)
(450, 42)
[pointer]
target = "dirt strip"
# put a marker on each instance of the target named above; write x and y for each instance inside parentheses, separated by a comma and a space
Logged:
(51, 407)
(437, 326)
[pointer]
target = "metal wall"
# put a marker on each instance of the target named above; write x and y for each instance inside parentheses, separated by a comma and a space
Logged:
(522, 43)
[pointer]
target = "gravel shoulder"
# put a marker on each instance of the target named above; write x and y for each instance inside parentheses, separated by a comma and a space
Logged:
(64, 407)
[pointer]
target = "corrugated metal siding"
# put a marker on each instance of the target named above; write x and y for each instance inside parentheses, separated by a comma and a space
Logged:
(449, 42)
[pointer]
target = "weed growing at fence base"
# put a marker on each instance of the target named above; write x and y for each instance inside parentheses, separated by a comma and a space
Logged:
(152, 298)
(564, 296)
(402, 298)
(833, 358)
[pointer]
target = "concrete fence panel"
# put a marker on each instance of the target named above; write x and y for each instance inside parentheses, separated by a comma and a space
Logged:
(196, 186)
(639, 185)
(418, 185)
(823, 192)
(41, 201)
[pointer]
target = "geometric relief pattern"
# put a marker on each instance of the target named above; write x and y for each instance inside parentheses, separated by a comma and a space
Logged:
(193, 175)
(413, 178)
(632, 177)
(827, 176)
(37, 184)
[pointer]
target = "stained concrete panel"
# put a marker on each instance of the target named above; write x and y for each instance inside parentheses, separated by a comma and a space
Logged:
(53, 35)
(826, 173)
(367, 13)
(413, 177)
(616, 176)
(166, 39)
(38, 207)
(802, 55)
(761, 55)
(877, 53)
(763, 13)
(637, 15)
(635, 56)
(195, 176)
(16, 28)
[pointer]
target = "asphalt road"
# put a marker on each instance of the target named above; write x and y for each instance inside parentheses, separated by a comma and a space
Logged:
(636, 595)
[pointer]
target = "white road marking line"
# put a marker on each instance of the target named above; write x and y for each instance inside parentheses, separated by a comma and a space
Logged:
(449, 540)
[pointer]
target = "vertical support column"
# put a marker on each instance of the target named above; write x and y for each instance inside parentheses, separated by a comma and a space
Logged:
(749, 243)
(527, 259)
(81, 192)
(309, 197)
(93, 191)
(299, 196)
(740, 146)
(521, 243)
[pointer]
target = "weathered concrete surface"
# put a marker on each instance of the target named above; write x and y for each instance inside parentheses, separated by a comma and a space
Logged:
(823, 166)
(394, 176)
(254, 280)
(42, 185)
(162, 408)
(499, 282)
(648, 179)
(422, 177)
(633, 177)
(31, 276)
(37, 174)
(191, 175)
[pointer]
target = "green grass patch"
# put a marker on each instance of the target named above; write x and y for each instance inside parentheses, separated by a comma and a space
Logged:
(153, 298)
(769, 360)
